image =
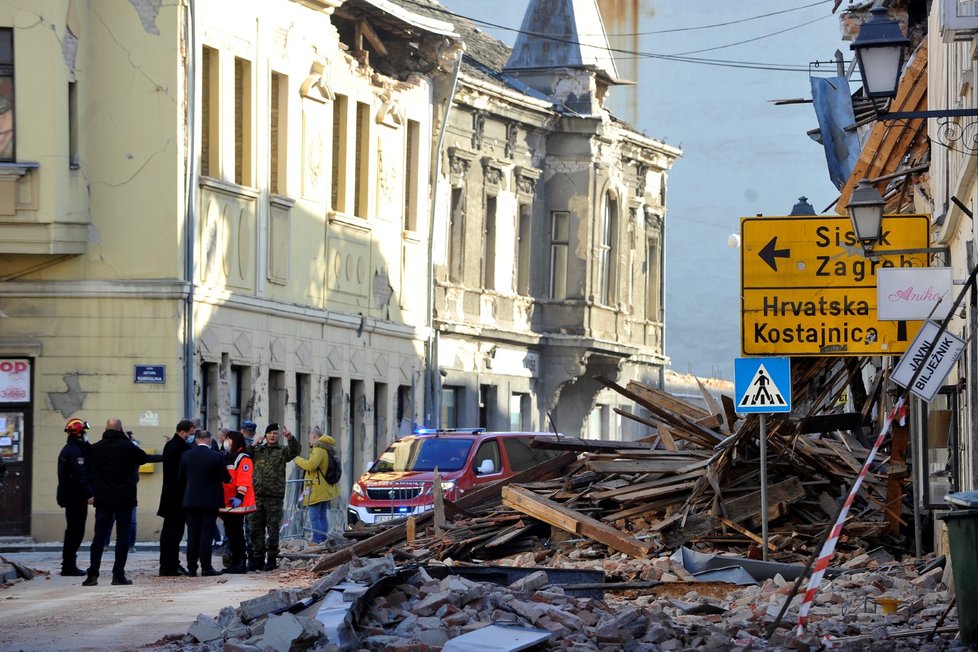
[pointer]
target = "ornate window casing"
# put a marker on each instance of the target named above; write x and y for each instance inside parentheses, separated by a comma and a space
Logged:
(526, 180)
(492, 174)
(459, 162)
(316, 87)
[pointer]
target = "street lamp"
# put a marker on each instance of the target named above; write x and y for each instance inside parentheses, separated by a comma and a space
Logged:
(866, 212)
(879, 52)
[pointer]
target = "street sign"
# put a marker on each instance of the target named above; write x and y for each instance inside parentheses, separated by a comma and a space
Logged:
(807, 288)
(936, 366)
(922, 293)
(762, 385)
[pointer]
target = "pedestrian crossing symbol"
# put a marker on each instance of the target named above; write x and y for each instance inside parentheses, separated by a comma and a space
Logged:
(763, 385)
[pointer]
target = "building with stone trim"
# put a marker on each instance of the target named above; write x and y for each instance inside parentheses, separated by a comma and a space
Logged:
(231, 209)
(548, 239)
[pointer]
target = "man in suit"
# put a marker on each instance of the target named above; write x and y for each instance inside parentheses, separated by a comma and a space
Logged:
(171, 500)
(115, 461)
(204, 473)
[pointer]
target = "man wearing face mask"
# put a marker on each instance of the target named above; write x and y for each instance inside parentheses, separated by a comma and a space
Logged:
(171, 500)
(269, 479)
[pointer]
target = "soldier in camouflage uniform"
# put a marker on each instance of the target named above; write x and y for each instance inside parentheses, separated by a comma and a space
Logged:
(269, 480)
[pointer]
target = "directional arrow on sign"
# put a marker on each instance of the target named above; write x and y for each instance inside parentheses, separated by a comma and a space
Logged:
(770, 253)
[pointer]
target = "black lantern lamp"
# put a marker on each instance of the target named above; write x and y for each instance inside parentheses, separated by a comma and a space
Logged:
(866, 212)
(879, 51)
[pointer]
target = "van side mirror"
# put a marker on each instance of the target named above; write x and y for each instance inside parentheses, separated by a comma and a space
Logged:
(486, 467)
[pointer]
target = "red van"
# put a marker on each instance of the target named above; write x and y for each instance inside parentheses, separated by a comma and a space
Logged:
(398, 484)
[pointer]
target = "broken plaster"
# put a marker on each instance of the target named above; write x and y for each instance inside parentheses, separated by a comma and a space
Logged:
(71, 401)
(148, 10)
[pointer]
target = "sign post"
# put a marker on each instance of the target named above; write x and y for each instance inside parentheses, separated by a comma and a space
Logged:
(763, 386)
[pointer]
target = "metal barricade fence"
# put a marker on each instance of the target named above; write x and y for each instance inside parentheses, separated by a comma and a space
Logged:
(295, 517)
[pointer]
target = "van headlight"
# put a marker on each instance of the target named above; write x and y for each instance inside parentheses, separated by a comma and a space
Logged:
(358, 490)
(448, 486)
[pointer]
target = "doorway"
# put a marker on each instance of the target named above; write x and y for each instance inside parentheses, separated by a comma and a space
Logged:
(16, 435)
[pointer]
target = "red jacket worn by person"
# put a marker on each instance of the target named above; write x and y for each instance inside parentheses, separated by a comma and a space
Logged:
(240, 486)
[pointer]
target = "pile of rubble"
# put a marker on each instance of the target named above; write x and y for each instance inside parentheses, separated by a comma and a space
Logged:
(375, 605)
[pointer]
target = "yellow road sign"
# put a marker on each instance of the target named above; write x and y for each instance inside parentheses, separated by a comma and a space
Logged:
(807, 288)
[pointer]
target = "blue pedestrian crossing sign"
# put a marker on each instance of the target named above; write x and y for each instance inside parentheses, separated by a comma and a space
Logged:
(762, 385)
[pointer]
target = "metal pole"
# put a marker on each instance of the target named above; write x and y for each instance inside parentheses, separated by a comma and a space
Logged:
(764, 485)
(919, 469)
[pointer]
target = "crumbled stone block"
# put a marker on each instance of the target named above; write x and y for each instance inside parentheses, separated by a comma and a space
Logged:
(371, 570)
(431, 603)
(206, 629)
(432, 637)
(285, 630)
(264, 604)
(532, 582)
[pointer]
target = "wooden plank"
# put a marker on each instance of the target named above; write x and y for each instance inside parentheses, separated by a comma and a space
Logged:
(696, 525)
(714, 406)
(712, 422)
(745, 507)
(584, 445)
(674, 419)
(747, 533)
(656, 492)
(617, 493)
(411, 529)
(682, 433)
(730, 410)
(666, 400)
(574, 522)
(665, 435)
(645, 466)
(485, 494)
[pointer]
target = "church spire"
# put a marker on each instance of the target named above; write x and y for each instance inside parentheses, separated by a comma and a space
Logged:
(577, 39)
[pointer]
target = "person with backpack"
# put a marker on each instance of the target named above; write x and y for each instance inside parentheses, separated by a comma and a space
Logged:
(322, 476)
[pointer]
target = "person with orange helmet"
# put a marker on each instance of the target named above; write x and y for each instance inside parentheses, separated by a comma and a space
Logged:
(75, 492)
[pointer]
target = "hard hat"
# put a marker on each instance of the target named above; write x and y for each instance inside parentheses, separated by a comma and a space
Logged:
(249, 425)
(75, 426)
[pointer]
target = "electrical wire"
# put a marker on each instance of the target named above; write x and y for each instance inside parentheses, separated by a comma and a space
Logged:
(633, 54)
(756, 38)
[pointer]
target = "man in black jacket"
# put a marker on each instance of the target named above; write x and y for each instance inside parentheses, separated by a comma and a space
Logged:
(74, 492)
(115, 463)
(204, 471)
(171, 500)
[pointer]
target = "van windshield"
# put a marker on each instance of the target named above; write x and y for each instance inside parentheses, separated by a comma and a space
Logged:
(424, 454)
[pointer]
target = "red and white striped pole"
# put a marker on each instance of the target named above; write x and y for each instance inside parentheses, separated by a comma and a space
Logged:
(899, 410)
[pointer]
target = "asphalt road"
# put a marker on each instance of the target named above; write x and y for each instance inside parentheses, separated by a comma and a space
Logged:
(51, 612)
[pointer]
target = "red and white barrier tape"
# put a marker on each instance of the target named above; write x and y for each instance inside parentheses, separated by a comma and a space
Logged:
(828, 548)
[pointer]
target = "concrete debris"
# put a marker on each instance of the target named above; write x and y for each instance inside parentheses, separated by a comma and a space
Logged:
(410, 610)
(206, 629)
(284, 631)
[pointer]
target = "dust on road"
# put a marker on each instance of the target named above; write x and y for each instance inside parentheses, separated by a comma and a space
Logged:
(52, 612)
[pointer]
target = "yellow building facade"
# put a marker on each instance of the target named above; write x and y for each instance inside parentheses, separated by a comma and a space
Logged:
(241, 184)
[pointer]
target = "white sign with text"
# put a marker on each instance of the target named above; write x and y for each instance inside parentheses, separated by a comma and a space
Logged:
(936, 366)
(904, 293)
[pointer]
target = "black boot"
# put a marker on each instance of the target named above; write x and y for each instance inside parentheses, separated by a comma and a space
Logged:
(255, 564)
(271, 564)
(91, 580)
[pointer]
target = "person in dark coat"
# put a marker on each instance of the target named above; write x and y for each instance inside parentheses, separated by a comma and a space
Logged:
(115, 463)
(204, 473)
(171, 500)
(75, 491)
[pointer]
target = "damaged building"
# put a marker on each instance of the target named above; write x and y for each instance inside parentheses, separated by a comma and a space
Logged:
(231, 210)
